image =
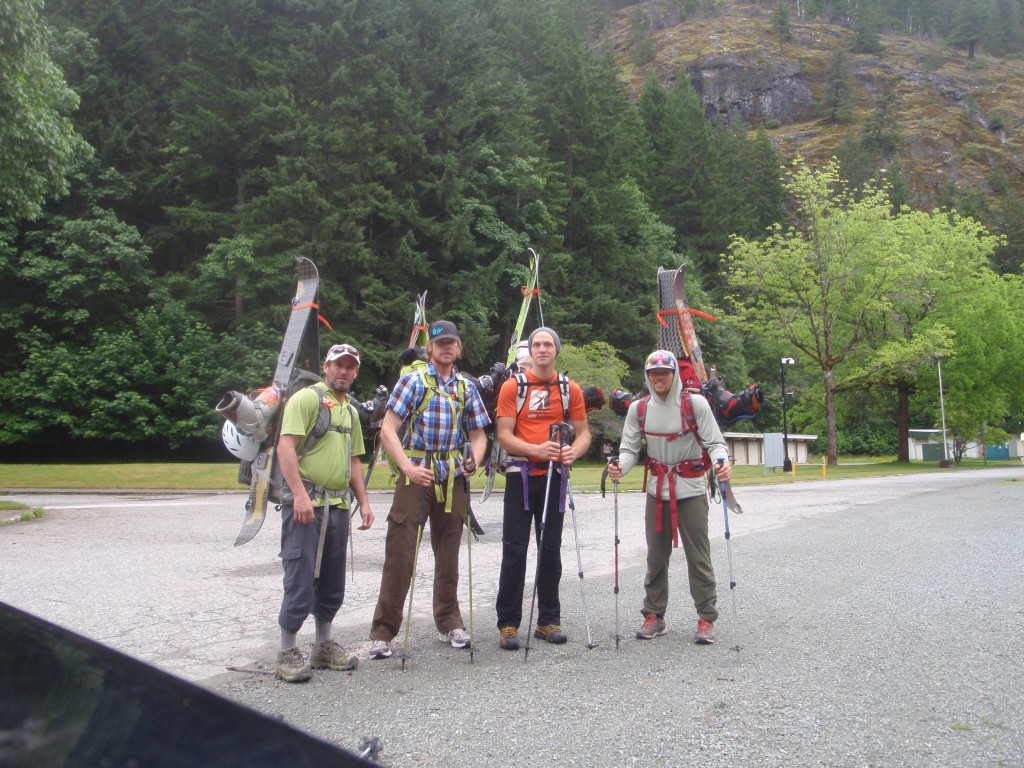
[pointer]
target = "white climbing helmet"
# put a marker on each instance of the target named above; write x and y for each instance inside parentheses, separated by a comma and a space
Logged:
(241, 446)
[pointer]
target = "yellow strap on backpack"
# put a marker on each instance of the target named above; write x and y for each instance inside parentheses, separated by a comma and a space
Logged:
(431, 460)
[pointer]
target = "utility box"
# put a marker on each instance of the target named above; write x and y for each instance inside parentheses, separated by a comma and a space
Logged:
(997, 452)
(774, 456)
(932, 452)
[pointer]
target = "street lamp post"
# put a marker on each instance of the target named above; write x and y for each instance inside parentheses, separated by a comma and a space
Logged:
(942, 406)
(787, 464)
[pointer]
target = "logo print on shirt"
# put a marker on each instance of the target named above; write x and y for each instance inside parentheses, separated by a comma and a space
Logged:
(540, 400)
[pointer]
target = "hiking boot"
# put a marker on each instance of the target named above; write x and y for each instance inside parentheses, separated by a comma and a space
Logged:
(653, 627)
(550, 632)
(331, 655)
(509, 638)
(380, 649)
(705, 632)
(459, 638)
(292, 666)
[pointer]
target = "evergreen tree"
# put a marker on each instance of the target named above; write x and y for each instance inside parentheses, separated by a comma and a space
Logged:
(781, 26)
(837, 99)
(969, 25)
(865, 33)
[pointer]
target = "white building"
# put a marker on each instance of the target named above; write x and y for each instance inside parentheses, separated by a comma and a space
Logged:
(757, 447)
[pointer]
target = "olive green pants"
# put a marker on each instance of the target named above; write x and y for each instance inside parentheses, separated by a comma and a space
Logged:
(693, 531)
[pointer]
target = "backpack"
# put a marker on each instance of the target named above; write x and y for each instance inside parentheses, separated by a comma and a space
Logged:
(688, 424)
(523, 385)
(419, 366)
(666, 473)
(321, 426)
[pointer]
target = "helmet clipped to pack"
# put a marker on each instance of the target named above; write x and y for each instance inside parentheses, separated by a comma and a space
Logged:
(243, 447)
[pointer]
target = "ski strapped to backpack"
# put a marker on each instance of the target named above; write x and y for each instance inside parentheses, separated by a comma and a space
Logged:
(529, 291)
(667, 473)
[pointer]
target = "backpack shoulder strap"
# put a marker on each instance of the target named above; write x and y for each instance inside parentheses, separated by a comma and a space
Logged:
(431, 390)
(522, 385)
(641, 412)
(689, 421)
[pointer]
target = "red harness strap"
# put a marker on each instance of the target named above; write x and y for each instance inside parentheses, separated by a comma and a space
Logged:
(667, 473)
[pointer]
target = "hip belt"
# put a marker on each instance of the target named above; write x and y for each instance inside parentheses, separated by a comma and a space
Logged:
(667, 474)
(442, 491)
(523, 466)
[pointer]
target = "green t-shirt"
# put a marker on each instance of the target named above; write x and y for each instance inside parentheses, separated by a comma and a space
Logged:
(328, 463)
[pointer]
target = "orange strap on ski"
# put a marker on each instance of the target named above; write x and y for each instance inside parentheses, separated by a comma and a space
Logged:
(679, 312)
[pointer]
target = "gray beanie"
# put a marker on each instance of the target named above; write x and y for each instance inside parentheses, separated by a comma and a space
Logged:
(558, 341)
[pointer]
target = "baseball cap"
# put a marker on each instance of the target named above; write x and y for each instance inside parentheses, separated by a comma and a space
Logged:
(341, 350)
(442, 330)
(660, 360)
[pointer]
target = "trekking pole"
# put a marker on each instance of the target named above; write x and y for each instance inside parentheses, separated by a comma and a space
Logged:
(728, 550)
(540, 545)
(467, 449)
(412, 584)
(579, 558)
(615, 497)
(583, 598)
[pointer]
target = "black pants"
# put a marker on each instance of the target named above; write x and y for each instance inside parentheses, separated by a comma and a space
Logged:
(515, 543)
(304, 595)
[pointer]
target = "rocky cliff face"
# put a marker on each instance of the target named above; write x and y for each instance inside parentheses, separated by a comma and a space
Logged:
(955, 120)
(776, 92)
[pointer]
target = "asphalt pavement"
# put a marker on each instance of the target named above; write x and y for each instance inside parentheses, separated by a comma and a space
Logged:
(873, 622)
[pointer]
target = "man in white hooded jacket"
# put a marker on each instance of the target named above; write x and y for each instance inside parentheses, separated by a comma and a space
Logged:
(677, 501)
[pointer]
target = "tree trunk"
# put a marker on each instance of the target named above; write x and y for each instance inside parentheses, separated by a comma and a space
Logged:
(903, 420)
(830, 418)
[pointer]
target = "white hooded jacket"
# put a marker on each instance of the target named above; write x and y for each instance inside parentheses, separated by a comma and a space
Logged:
(665, 416)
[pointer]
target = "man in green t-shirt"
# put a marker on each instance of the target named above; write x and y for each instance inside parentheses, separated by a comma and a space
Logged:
(318, 474)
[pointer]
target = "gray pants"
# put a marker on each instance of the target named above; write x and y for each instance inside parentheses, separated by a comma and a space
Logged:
(693, 530)
(304, 595)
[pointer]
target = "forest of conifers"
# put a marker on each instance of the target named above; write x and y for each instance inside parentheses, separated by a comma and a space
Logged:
(408, 146)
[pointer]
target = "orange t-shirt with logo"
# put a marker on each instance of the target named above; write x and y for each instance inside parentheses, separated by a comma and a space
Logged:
(542, 408)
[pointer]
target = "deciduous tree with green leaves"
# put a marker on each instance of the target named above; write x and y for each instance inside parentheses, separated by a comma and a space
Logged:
(38, 143)
(846, 274)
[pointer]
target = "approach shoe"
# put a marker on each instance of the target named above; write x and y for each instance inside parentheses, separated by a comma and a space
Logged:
(705, 633)
(380, 649)
(653, 627)
(331, 655)
(459, 638)
(292, 666)
(508, 638)
(550, 632)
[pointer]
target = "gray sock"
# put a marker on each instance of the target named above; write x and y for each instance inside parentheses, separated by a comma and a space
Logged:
(288, 639)
(323, 630)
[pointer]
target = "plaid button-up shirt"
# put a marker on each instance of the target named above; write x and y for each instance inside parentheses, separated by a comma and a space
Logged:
(437, 428)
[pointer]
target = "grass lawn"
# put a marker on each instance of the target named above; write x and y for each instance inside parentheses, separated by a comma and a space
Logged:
(585, 476)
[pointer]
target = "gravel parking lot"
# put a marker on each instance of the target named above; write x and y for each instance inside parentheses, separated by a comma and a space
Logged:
(878, 622)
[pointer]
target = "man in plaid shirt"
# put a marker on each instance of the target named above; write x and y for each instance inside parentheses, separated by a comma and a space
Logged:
(430, 485)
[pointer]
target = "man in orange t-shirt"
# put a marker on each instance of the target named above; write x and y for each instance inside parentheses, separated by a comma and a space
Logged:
(524, 432)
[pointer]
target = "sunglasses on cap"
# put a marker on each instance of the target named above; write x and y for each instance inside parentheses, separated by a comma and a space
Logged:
(660, 361)
(342, 350)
